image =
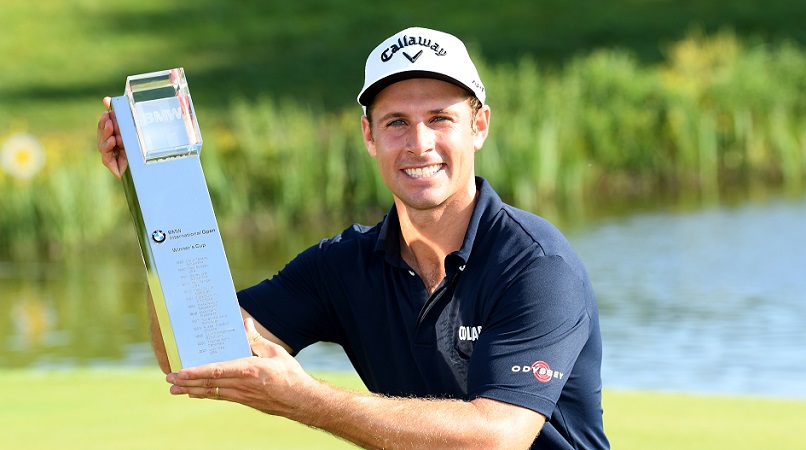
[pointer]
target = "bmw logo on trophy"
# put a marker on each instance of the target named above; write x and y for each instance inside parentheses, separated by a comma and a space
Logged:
(186, 266)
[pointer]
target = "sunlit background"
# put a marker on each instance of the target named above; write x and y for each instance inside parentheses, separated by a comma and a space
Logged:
(667, 139)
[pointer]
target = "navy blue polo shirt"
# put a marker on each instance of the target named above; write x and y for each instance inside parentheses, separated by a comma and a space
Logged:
(515, 319)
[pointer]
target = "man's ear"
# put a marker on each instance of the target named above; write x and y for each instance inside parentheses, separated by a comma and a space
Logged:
(482, 122)
(369, 142)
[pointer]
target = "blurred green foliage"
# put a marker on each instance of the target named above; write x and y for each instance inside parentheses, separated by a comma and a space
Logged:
(630, 99)
(314, 50)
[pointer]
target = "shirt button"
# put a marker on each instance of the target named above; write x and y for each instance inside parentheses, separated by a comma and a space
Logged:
(411, 272)
(461, 268)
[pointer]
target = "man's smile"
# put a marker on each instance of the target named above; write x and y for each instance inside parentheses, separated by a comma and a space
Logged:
(423, 172)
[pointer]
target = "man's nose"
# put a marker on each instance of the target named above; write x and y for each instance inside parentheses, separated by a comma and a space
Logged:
(421, 139)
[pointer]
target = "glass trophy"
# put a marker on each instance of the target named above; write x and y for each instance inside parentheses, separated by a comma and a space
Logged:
(187, 270)
(163, 114)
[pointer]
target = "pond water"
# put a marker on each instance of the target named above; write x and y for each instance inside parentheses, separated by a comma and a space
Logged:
(711, 300)
(708, 301)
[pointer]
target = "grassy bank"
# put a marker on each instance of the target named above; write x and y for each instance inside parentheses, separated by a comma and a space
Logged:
(91, 409)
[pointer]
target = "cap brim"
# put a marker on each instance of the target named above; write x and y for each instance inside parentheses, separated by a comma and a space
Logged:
(370, 92)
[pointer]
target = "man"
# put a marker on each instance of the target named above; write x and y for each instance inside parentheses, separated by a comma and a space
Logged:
(472, 322)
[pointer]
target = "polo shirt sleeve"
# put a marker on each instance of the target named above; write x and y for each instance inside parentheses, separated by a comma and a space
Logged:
(292, 303)
(535, 331)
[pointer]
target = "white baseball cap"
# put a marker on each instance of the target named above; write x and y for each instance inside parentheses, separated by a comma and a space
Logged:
(419, 53)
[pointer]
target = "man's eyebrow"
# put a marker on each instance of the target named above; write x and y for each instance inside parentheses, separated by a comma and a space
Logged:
(443, 111)
(391, 115)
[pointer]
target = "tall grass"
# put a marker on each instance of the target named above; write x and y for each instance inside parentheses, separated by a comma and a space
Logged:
(716, 114)
(279, 164)
(67, 204)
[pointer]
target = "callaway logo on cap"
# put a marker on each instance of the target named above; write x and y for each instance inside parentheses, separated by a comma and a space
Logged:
(419, 53)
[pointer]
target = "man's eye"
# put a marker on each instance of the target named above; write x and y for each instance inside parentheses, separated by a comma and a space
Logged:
(395, 123)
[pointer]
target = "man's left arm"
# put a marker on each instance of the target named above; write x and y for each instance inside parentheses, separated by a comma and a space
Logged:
(275, 383)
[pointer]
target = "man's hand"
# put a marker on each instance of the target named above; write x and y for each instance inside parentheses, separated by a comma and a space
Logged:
(272, 381)
(110, 145)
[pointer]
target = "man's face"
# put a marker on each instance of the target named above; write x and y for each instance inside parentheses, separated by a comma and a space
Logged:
(424, 136)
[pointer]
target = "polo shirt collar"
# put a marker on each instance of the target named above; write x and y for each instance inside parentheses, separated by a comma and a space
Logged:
(488, 204)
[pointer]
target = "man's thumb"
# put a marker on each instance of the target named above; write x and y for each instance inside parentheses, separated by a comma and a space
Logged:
(260, 346)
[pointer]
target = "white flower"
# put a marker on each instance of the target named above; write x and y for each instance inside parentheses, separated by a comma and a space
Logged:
(22, 156)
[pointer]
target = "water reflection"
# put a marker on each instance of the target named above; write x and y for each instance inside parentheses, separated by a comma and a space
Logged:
(712, 300)
(63, 316)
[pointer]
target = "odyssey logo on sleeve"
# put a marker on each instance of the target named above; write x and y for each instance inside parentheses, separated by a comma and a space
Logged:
(541, 371)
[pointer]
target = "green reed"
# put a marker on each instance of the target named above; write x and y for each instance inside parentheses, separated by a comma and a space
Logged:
(67, 205)
(716, 114)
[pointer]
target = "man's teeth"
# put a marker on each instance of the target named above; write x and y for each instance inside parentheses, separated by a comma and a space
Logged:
(421, 172)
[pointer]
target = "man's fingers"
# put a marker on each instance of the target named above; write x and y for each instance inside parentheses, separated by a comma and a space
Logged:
(106, 149)
(209, 380)
(105, 131)
(207, 374)
(109, 157)
(196, 382)
(215, 392)
(104, 128)
(115, 126)
(113, 156)
(102, 123)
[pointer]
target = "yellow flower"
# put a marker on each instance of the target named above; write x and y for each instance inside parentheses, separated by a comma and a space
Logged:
(22, 156)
